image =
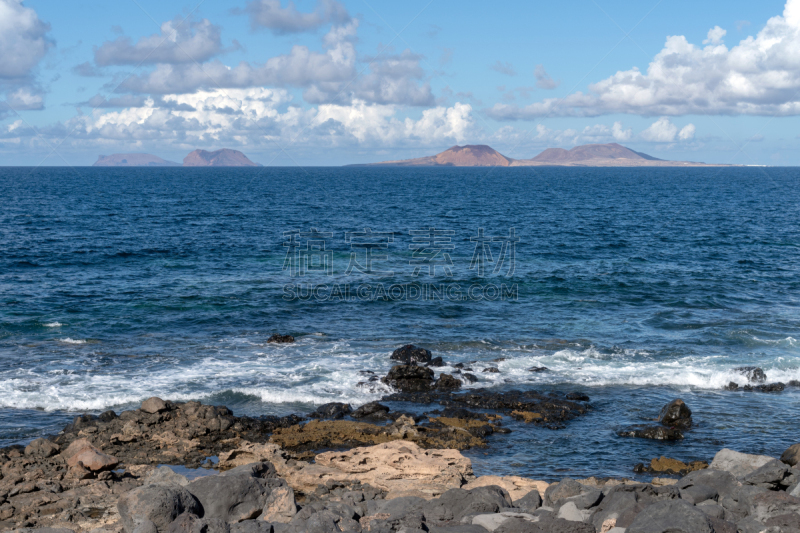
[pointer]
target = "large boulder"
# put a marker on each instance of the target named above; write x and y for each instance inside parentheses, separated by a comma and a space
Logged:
(447, 382)
(409, 378)
(189, 523)
(738, 464)
(235, 496)
(410, 354)
(399, 467)
(792, 455)
(768, 476)
(676, 516)
(83, 453)
(42, 448)
(280, 506)
(455, 504)
(160, 504)
(752, 373)
(154, 405)
(676, 414)
(334, 410)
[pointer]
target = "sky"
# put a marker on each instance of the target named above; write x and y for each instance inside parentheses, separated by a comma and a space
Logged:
(331, 82)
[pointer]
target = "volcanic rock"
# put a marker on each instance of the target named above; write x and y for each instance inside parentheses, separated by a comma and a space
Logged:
(410, 354)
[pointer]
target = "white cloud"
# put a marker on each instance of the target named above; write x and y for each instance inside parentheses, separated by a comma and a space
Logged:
(664, 131)
(619, 134)
(715, 35)
(543, 79)
(759, 76)
(284, 20)
(23, 39)
(180, 41)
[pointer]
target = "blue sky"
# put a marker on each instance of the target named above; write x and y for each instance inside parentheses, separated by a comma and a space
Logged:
(335, 82)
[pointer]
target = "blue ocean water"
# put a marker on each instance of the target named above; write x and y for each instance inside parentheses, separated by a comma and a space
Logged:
(634, 286)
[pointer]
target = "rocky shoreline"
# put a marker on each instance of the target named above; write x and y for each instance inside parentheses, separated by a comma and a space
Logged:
(374, 469)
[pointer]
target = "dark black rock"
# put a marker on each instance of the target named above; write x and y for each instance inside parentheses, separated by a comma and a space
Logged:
(107, 416)
(752, 373)
(651, 432)
(409, 378)
(538, 369)
(577, 397)
(455, 504)
(769, 476)
(771, 387)
(280, 339)
(530, 502)
(731, 386)
(676, 414)
(334, 410)
(469, 378)
(409, 354)
(369, 409)
(436, 361)
(492, 369)
(675, 516)
(458, 365)
(446, 382)
(566, 488)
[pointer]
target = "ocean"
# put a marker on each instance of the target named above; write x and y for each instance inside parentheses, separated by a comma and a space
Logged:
(633, 286)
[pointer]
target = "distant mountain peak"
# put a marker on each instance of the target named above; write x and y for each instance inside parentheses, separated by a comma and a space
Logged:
(470, 155)
(225, 157)
(589, 152)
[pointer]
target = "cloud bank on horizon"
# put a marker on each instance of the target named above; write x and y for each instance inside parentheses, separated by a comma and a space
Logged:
(179, 87)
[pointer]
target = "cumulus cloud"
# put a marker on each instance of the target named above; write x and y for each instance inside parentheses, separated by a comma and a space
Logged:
(543, 79)
(597, 133)
(300, 67)
(504, 68)
(664, 131)
(759, 76)
(23, 39)
(620, 134)
(256, 117)
(284, 20)
(180, 41)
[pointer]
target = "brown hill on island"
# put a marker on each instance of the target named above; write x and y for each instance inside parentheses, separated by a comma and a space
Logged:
(220, 158)
(590, 152)
(133, 160)
(472, 155)
(588, 155)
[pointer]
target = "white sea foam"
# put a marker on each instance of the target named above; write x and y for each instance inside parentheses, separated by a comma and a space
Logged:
(53, 324)
(72, 341)
(297, 376)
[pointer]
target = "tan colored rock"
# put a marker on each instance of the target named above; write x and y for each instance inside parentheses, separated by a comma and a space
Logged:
(153, 405)
(280, 506)
(665, 464)
(400, 467)
(663, 481)
(608, 525)
(82, 452)
(526, 416)
(516, 486)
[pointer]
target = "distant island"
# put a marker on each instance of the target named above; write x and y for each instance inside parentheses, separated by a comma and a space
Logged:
(198, 158)
(133, 160)
(587, 155)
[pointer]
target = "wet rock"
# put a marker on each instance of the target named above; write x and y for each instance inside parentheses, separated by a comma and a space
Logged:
(107, 416)
(409, 378)
(491, 369)
(738, 464)
(667, 465)
(410, 354)
(753, 373)
(527, 416)
(676, 414)
(577, 397)
(42, 448)
(437, 361)
(538, 369)
(651, 432)
(280, 339)
(160, 504)
(792, 455)
(334, 410)
(447, 382)
(469, 378)
(370, 410)
(154, 405)
(732, 386)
